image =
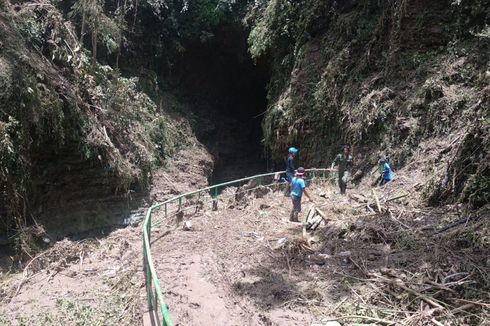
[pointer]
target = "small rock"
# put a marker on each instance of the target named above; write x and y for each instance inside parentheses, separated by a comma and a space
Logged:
(359, 225)
(332, 323)
(317, 259)
(325, 256)
(112, 271)
(71, 274)
(187, 226)
(282, 241)
(261, 191)
(345, 253)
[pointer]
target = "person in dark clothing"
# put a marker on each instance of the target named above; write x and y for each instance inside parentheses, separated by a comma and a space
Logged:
(344, 162)
(290, 163)
(290, 168)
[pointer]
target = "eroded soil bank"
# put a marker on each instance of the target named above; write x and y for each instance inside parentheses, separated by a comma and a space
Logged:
(97, 280)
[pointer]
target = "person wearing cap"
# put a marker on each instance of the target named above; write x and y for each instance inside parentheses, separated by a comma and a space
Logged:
(344, 162)
(290, 168)
(384, 170)
(290, 163)
(298, 187)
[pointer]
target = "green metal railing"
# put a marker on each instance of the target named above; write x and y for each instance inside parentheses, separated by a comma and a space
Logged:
(180, 204)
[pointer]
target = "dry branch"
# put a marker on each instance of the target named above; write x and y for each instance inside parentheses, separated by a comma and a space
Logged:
(378, 205)
(322, 214)
(396, 197)
(383, 321)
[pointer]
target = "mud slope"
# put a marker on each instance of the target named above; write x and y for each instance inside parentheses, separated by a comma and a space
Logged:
(247, 265)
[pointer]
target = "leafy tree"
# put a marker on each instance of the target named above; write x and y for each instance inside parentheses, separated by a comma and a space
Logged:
(98, 23)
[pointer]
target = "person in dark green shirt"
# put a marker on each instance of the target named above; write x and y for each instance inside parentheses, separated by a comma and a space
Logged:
(344, 163)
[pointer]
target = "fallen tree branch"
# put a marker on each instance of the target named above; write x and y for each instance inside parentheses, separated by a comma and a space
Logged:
(409, 290)
(483, 304)
(383, 321)
(25, 272)
(456, 223)
(438, 323)
(441, 287)
(396, 197)
(462, 308)
(322, 214)
(397, 220)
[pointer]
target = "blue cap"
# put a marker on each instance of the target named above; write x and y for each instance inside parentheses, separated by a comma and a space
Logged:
(293, 150)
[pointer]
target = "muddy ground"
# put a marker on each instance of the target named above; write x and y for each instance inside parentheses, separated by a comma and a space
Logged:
(98, 280)
(246, 264)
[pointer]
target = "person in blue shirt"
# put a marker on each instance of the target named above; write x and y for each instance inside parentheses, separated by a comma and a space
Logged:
(298, 187)
(385, 171)
(290, 168)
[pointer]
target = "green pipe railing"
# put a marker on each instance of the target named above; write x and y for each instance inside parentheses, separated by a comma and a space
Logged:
(154, 295)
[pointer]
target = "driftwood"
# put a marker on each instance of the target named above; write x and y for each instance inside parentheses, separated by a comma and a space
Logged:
(314, 223)
(374, 201)
(322, 214)
(314, 218)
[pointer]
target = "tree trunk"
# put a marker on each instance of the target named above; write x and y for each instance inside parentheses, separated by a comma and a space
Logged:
(121, 19)
(82, 31)
(135, 13)
(94, 44)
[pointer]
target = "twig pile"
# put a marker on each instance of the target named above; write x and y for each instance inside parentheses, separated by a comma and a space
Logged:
(402, 298)
(437, 278)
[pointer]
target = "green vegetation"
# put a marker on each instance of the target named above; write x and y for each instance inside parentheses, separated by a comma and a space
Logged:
(384, 77)
(93, 19)
(387, 78)
(60, 104)
(89, 113)
(95, 95)
(75, 312)
(409, 241)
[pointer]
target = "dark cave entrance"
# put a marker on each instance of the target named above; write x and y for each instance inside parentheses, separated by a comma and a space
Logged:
(227, 92)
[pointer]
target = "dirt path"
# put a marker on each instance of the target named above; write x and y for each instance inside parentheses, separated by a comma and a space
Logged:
(223, 273)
